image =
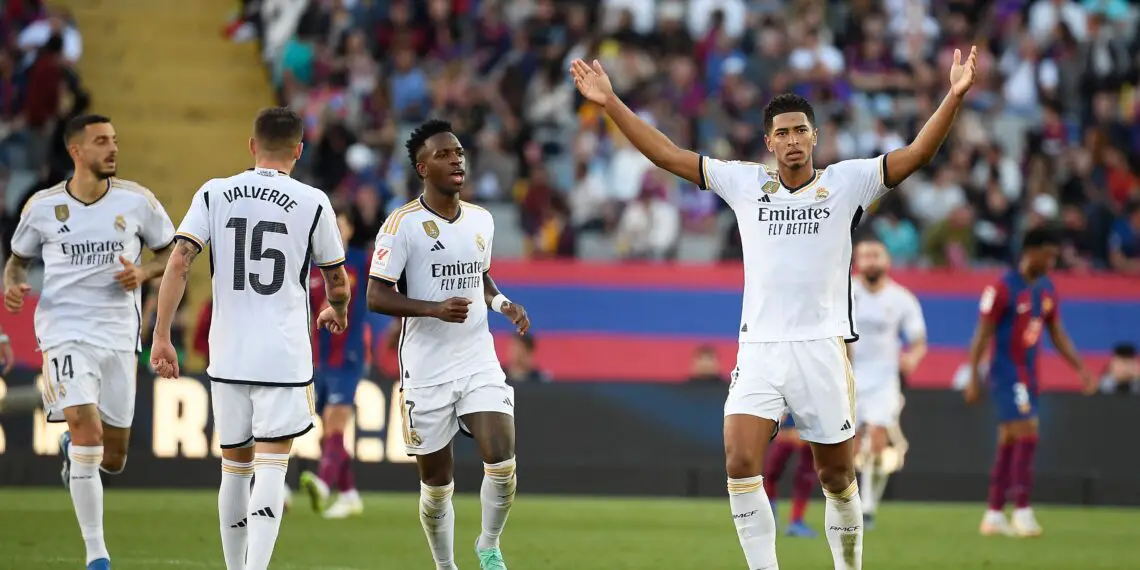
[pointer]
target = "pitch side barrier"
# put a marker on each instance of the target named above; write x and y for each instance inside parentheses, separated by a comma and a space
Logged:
(603, 438)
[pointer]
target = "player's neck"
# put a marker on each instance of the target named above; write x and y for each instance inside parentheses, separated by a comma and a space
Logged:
(446, 205)
(86, 187)
(1028, 275)
(282, 166)
(795, 177)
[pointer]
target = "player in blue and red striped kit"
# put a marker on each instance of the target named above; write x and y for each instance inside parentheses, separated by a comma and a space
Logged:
(1014, 313)
(340, 364)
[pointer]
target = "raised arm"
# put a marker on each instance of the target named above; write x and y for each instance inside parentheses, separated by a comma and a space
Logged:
(594, 85)
(901, 163)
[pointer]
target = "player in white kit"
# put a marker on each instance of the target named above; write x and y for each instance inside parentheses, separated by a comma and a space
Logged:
(795, 225)
(264, 229)
(887, 313)
(431, 266)
(90, 231)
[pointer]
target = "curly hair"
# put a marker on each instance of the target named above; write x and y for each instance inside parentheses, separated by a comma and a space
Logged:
(420, 136)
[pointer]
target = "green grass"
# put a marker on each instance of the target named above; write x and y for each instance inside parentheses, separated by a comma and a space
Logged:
(178, 529)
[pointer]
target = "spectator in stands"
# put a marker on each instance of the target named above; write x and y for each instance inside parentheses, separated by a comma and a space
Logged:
(1124, 242)
(57, 23)
(1122, 375)
(706, 367)
(521, 366)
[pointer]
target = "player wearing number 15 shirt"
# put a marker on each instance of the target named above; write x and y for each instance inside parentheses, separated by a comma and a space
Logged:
(1015, 312)
(264, 229)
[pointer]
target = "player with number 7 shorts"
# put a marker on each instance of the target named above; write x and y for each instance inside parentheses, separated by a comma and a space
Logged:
(90, 230)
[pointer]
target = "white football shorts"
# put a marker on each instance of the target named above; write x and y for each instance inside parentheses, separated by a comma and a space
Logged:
(877, 400)
(431, 413)
(78, 373)
(810, 378)
(245, 413)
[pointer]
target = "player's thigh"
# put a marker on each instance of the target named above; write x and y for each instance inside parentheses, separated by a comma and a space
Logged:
(821, 393)
(233, 414)
(118, 385)
(428, 417)
(437, 468)
(486, 410)
(282, 413)
(746, 439)
(71, 374)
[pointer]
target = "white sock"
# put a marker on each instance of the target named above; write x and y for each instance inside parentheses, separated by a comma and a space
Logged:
(866, 488)
(233, 500)
(755, 524)
(843, 517)
(265, 507)
(880, 485)
(87, 497)
(438, 519)
(496, 496)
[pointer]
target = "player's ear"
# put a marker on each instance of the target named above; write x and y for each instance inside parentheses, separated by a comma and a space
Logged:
(298, 151)
(252, 146)
(814, 136)
(767, 143)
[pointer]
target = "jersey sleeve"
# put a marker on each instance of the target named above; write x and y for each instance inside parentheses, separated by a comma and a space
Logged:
(487, 249)
(195, 226)
(1052, 307)
(729, 178)
(913, 324)
(995, 298)
(867, 177)
(328, 248)
(28, 241)
(157, 230)
(390, 256)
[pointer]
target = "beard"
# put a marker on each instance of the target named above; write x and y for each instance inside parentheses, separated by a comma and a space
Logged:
(102, 171)
(873, 275)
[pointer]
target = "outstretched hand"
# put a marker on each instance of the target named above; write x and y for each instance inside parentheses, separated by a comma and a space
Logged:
(962, 74)
(592, 81)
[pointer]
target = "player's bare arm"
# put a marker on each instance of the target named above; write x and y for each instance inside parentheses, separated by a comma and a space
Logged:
(594, 85)
(983, 337)
(383, 298)
(496, 301)
(912, 356)
(337, 290)
(901, 163)
(7, 358)
(16, 282)
(162, 354)
(1065, 346)
(133, 276)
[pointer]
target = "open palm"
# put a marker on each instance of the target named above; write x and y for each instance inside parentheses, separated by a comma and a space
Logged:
(962, 73)
(591, 81)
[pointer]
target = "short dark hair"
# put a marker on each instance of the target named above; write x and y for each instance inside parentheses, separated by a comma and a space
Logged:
(1124, 350)
(278, 129)
(420, 136)
(787, 103)
(79, 123)
(1040, 237)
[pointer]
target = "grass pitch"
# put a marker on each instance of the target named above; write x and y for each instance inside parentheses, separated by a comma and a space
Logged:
(178, 529)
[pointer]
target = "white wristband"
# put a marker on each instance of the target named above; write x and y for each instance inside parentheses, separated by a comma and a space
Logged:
(498, 302)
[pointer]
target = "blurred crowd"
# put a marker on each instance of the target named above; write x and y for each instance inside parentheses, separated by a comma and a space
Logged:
(1051, 133)
(39, 90)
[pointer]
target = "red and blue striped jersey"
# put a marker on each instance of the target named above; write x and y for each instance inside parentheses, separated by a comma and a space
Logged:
(347, 350)
(1019, 311)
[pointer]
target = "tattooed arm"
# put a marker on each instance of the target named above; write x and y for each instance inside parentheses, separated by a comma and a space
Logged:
(173, 286)
(337, 289)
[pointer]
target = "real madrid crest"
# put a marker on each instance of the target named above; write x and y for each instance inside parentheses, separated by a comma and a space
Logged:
(770, 187)
(120, 223)
(413, 437)
(62, 213)
(479, 243)
(821, 194)
(431, 229)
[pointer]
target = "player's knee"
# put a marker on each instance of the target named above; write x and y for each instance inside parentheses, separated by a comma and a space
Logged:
(741, 464)
(89, 433)
(497, 450)
(114, 461)
(836, 478)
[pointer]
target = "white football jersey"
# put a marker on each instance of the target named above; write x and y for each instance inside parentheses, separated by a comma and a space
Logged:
(797, 244)
(81, 245)
(264, 229)
(885, 317)
(432, 258)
